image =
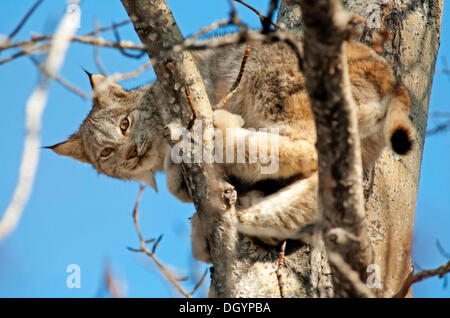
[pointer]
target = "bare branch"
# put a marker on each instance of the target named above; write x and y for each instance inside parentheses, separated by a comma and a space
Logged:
(59, 79)
(22, 22)
(143, 249)
(199, 283)
(443, 125)
(112, 284)
(235, 85)
(122, 50)
(112, 26)
(31, 46)
(267, 21)
(279, 272)
(338, 144)
(414, 278)
(262, 17)
(211, 195)
(441, 250)
(34, 109)
(97, 58)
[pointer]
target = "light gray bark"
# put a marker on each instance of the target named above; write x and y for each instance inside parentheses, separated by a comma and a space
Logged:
(391, 189)
(247, 269)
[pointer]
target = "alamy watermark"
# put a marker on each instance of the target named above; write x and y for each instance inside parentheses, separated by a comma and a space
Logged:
(74, 279)
(373, 12)
(242, 145)
(374, 279)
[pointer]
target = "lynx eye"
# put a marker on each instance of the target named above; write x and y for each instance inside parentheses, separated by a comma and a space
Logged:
(124, 124)
(106, 152)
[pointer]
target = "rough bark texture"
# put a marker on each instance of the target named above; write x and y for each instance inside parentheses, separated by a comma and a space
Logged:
(391, 190)
(178, 76)
(248, 270)
(326, 28)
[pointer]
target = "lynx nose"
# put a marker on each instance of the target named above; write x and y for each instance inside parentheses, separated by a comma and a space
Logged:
(131, 152)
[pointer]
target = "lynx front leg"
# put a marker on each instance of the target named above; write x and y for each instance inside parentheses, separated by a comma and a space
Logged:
(199, 241)
(253, 155)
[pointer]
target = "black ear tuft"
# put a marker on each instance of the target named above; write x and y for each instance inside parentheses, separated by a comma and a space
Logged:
(401, 142)
(88, 74)
(49, 147)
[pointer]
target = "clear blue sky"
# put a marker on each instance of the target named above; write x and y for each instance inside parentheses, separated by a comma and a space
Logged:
(76, 216)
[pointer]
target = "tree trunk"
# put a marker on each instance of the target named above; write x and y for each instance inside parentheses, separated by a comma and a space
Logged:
(391, 188)
(249, 268)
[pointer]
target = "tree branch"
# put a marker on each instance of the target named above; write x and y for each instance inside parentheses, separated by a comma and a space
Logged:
(326, 28)
(166, 273)
(34, 109)
(158, 30)
(22, 22)
(414, 278)
(262, 17)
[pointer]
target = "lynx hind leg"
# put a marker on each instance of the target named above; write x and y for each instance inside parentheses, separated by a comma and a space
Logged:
(399, 130)
(281, 215)
(199, 241)
(175, 180)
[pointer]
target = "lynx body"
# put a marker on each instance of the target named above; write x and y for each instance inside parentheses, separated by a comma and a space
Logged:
(122, 135)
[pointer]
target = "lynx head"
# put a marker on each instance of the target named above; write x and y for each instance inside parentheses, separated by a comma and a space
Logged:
(120, 137)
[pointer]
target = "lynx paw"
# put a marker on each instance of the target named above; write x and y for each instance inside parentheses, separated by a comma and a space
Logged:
(199, 242)
(175, 180)
(223, 119)
(309, 166)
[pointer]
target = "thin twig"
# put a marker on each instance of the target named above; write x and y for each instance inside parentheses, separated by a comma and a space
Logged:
(12, 57)
(97, 58)
(235, 85)
(279, 272)
(112, 284)
(34, 110)
(262, 17)
(199, 283)
(109, 27)
(122, 50)
(22, 22)
(442, 126)
(414, 278)
(59, 79)
(31, 46)
(442, 251)
(190, 103)
(267, 21)
(166, 273)
(242, 68)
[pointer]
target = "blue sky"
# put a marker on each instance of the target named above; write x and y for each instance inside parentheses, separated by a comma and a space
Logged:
(76, 216)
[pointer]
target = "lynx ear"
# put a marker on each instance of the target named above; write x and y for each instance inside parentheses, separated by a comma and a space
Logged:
(105, 92)
(71, 148)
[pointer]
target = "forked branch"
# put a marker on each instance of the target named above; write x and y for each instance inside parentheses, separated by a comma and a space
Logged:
(151, 253)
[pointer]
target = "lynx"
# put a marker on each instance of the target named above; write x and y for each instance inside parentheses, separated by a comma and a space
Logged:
(122, 135)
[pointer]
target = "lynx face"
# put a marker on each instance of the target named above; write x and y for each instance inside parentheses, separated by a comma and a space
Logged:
(119, 136)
